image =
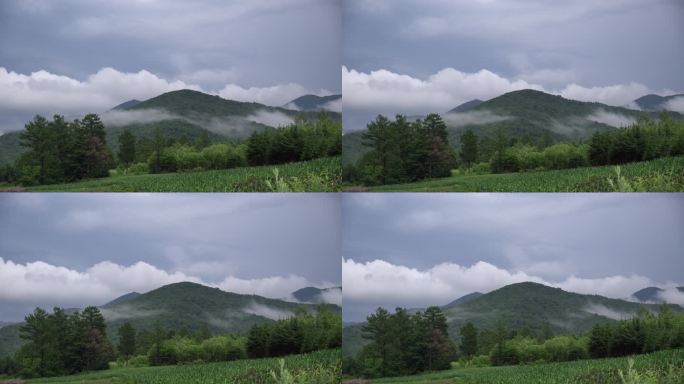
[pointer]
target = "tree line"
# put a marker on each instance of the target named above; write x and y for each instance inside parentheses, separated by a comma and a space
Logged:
(58, 151)
(58, 343)
(403, 151)
(398, 152)
(399, 345)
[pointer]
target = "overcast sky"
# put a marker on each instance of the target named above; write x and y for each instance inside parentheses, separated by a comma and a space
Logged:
(411, 57)
(415, 250)
(78, 249)
(77, 56)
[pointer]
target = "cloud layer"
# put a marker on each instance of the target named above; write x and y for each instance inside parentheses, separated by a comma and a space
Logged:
(384, 91)
(380, 281)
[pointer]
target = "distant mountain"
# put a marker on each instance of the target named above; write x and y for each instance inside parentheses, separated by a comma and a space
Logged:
(183, 114)
(184, 306)
(127, 104)
(524, 114)
(528, 306)
(655, 102)
(315, 295)
(312, 102)
(651, 294)
(468, 105)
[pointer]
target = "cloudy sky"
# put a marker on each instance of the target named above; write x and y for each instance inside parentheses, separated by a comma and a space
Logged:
(407, 56)
(77, 56)
(73, 250)
(415, 250)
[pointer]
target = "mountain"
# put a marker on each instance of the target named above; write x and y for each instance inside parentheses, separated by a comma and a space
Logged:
(183, 114)
(184, 306)
(468, 105)
(317, 295)
(527, 306)
(127, 104)
(121, 299)
(462, 299)
(655, 102)
(313, 102)
(524, 114)
(651, 294)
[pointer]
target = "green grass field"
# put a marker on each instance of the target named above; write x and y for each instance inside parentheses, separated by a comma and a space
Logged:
(665, 367)
(661, 175)
(321, 175)
(323, 367)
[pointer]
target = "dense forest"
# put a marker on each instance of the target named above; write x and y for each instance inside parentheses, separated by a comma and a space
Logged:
(403, 344)
(59, 343)
(399, 154)
(58, 151)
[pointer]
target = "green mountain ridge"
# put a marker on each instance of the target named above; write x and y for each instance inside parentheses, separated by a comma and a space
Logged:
(311, 102)
(527, 306)
(524, 114)
(185, 305)
(655, 102)
(651, 294)
(183, 114)
(314, 295)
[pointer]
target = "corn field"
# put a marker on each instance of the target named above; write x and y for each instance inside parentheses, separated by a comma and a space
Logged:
(323, 367)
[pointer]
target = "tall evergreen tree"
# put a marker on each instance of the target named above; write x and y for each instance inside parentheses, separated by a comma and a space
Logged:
(126, 147)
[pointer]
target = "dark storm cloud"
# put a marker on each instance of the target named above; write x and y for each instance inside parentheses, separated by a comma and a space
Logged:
(579, 49)
(76, 249)
(267, 51)
(432, 248)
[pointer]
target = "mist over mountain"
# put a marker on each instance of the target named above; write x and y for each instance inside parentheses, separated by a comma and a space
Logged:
(184, 115)
(186, 305)
(525, 114)
(657, 103)
(316, 103)
(526, 306)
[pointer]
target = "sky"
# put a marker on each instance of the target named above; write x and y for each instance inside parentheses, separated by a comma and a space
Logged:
(73, 250)
(415, 57)
(416, 250)
(78, 56)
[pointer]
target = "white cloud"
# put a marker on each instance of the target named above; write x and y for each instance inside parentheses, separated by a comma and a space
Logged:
(48, 93)
(602, 310)
(612, 119)
(275, 95)
(672, 296)
(388, 92)
(104, 281)
(676, 104)
(333, 105)
(274, 286)
(381, 281)
(332, 296)
(39, 281)
(141, 116)
(272, 119)
(267, 312)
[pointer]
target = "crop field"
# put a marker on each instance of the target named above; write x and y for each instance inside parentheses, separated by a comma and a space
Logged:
(661, 175)
(664, 367)
(323, 367)
(321, 175)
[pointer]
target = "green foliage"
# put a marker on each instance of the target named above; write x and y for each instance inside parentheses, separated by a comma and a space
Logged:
(126, 346)
(300, 334)
(320, 175)
(58, 343)
(402, 343)
(126, 147)
(322, 367)
(660, 175)
(403, 151)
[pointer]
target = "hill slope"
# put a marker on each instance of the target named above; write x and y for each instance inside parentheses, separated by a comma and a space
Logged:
(529, 306)
(651, 294)
(184, 306)
(521, 114)
(183, 114)
(655, 102)
(318, 295)
(313, 102)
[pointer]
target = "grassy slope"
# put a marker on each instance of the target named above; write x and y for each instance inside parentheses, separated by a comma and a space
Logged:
(321, 367)
(603, 371)
(246, 179)
(588, 179)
